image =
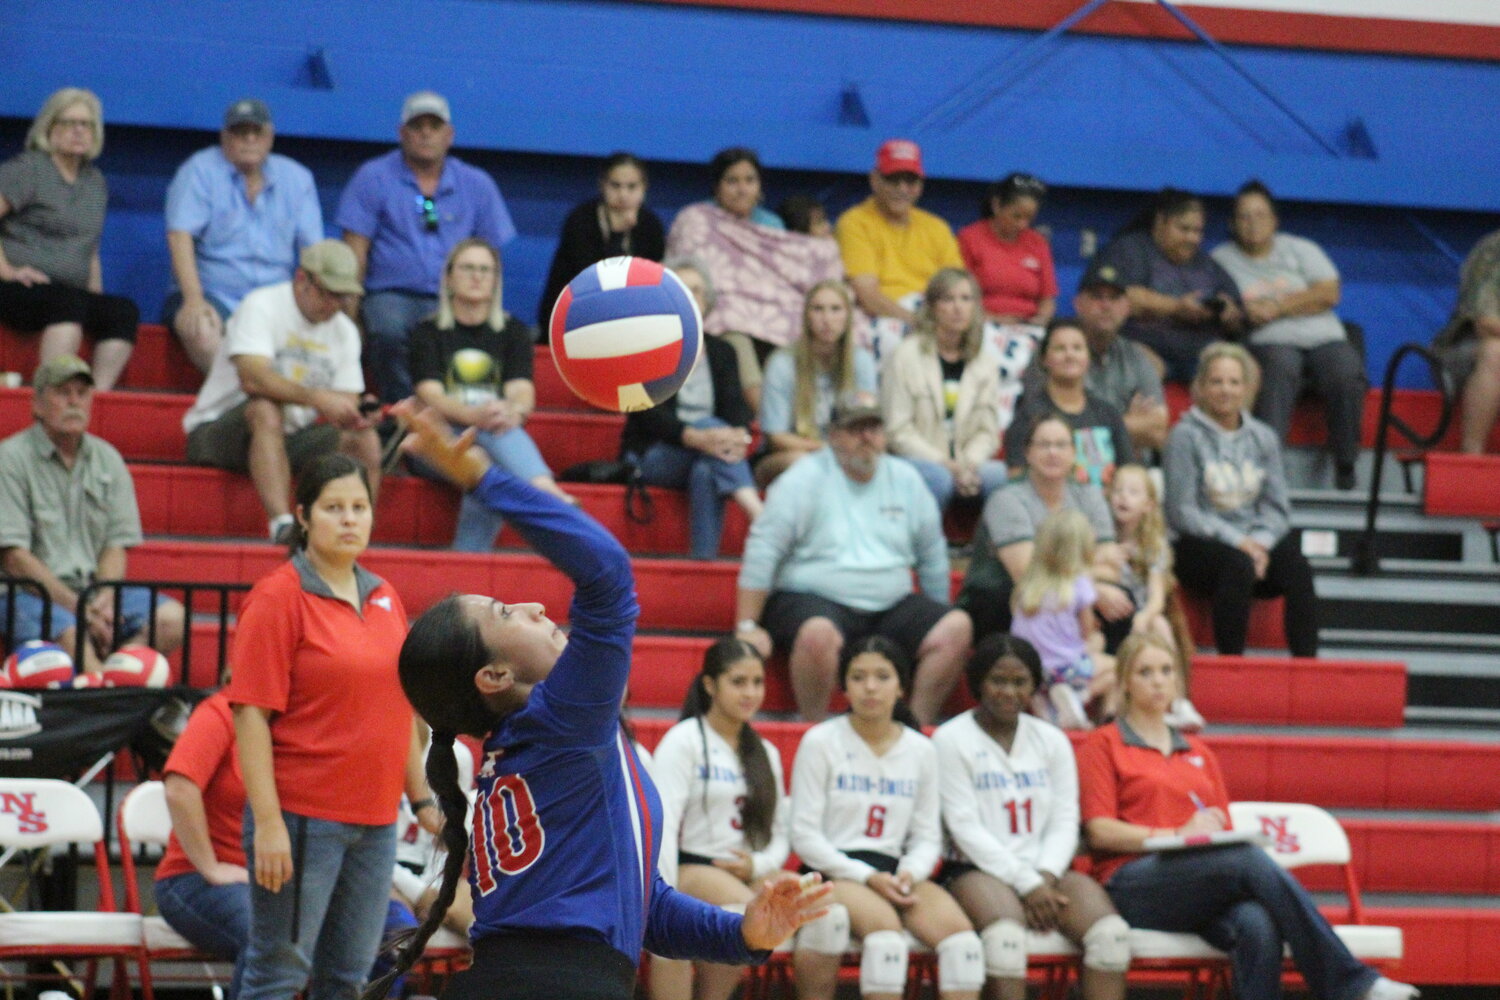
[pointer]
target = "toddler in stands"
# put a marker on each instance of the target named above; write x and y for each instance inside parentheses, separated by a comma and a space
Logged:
(1146, 571)
(1053, 609)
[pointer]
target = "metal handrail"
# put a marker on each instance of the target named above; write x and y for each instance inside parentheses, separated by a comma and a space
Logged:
(1366, 561)
(155, 587)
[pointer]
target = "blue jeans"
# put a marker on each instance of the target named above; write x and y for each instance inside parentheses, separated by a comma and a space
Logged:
(345, 872)
(135, 607)
(992, 476)
(1241, 902)
(708, 481)
(516, 453)
(215, 918)
(388, 315)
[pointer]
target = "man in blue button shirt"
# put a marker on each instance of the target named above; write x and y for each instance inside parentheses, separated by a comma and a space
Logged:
(401, 213)
(237, 216)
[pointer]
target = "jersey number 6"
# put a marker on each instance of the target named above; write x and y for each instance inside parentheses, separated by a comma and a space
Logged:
(875, 822)
(508, 834)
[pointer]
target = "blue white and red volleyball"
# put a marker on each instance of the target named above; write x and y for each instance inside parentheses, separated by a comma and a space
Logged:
(626, 334)
(38, 664)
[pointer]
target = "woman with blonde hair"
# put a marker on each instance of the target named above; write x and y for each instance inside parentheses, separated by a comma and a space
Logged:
(472, 362)
(940, 393)
(803, 381)
(52, 203)
(1227, 503)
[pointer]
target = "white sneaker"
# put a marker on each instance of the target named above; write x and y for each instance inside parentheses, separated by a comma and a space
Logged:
(1070, 713)
(1389, 989)
(1182, 715)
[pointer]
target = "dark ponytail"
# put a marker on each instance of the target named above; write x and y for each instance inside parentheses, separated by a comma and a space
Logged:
(761, 793)
(442, 778)
(896, 656)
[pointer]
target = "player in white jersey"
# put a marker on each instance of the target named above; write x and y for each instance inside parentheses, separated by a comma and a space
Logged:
(723, 806)
(1010, 806)
(865, 813)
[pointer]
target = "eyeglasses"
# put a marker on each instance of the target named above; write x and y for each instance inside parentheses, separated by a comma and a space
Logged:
(80, 123)
(427, 208)
(479, 269)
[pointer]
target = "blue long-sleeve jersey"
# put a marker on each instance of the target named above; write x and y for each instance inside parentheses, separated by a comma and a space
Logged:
(567, 824)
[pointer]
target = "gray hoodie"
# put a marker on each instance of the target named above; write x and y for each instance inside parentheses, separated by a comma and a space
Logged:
(1225, 485)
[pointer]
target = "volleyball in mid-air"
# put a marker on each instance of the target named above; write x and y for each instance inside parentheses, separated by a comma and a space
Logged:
(626, 334)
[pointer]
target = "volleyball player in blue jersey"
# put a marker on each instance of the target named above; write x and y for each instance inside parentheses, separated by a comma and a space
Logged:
(567, 824)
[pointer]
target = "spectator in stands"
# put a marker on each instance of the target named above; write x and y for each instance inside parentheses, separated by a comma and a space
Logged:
(760, 271)
(1289, 287)
(1100, 438)
(617, 223)
(1011, 261)
(237, 216)
(1141, 779)
(202, 887)
(1004, 540)
(472, 363)
(831, 560)
(402, 213)
(1227, 504)
(939, 393)
(1120, 371)
(994, 761)
(891, 247)
(1470, 343)
(804, 381)
(285, 386)
(1180, 299)
(699, 438)
(67, 515)
(803, 213)
(52, 201)
(327, 743)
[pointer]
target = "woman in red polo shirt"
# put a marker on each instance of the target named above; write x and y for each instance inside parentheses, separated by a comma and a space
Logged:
(1141, 778)
(326, 744)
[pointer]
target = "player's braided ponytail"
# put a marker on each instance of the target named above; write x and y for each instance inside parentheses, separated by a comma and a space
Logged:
(442, 778)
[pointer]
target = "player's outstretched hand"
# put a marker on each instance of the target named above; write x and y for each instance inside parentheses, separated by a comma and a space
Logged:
(784, 903)
(433, 441)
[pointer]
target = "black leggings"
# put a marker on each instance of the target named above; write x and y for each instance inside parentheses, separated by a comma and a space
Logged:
(1226, 576)
(543, 967)
(103, 317)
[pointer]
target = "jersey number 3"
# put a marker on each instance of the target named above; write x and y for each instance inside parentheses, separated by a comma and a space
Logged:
(508, 834)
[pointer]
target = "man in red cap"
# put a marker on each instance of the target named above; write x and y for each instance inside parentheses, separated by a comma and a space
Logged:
(891, 247)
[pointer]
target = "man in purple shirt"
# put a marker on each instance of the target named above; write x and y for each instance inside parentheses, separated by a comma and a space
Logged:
(402, 213)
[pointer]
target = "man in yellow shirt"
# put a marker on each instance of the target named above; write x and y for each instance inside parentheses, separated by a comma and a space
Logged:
(890, 247)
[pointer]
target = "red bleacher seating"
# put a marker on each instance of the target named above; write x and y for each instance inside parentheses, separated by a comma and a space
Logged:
(1460, 485)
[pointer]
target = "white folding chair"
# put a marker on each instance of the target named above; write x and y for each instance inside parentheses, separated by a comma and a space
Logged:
(42, 813)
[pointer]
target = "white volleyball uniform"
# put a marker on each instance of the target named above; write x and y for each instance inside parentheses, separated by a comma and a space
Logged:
(1011, 815)
(845, 798)
(702, 787)
(415, 847)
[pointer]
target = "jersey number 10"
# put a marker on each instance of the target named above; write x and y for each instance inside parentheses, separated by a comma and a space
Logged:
(508, 834)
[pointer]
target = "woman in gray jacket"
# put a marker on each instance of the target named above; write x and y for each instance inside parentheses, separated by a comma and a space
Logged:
(1227, 506)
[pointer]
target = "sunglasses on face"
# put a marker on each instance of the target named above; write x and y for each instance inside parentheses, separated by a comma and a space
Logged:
(427, 208)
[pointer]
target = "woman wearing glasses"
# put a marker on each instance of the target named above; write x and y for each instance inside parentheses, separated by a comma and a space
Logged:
(1011, 260)
(471, 362)
(52, 201)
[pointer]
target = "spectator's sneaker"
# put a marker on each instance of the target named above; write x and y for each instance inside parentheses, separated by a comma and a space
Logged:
(1389, 989)
(1183, 716)
(1344, 478)
(1069, 707)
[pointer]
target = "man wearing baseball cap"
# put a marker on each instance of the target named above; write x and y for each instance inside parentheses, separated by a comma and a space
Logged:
(401, 213)
(891, 247)
(285, 385)
(830, 561)
(1120, 373)
(67, 515)
(237, 216)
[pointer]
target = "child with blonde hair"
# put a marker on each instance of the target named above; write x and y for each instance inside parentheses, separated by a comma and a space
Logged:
(1146, 572)
(1053, 609)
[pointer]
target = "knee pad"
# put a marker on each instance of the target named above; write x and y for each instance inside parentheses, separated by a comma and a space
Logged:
(1004, 950)
(882, 963)
(1106, 945)
(829, 934)
(960, 962)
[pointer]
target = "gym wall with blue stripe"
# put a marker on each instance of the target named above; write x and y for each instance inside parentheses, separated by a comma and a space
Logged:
(1392, 163)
